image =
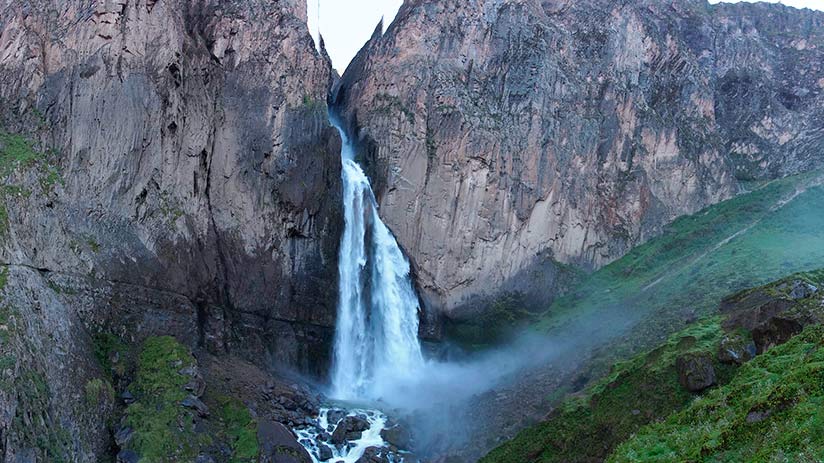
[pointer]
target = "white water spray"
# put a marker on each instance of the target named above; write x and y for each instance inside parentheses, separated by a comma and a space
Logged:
(376, 338)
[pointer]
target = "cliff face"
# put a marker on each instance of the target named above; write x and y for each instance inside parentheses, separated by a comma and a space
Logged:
(507, 136)
(170, 170)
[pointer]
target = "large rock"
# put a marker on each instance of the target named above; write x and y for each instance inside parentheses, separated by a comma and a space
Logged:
(505, 136)
(350, 428)
(278, 445)
(695, 371)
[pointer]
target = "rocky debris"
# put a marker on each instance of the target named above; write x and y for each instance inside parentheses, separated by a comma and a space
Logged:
(197, 405)
(278, 445)
(324, 453)
(334, 416)
(350, 428)
(375, 455)
(695, 371)
(802, 290)
(127, 456)
(571, 134)
(775, 331)
(736, 349)
(397, 435)
(123, 436)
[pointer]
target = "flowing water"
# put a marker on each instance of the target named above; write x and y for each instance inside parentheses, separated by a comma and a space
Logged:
(377, 351)
(376, 338)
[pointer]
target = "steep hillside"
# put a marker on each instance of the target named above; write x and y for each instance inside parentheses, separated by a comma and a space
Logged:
(505, 136)
(759, 411)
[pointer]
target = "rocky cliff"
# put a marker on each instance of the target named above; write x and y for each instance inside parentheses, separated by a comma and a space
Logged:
(506, 137)
(169, 170)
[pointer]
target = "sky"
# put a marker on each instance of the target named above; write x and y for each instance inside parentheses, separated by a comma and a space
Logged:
(347, 24)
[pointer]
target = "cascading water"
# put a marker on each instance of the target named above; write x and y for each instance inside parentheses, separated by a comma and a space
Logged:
(377, 353)
(376, 339)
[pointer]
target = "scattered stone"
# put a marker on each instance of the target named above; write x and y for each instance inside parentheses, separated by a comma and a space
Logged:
(324, 453)
(334, 416)
(735, 349)
(755, 417)
(123, 436)
(773, 332)
(127, 397)
(204, 459)
(127, 456)
(802, 290)
(398, 436)
(695, 371)
(349, 429)
(196, 404)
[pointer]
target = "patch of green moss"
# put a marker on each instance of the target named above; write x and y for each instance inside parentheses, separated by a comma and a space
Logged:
(4, 277)
(240, 428)
(15, 151)
(98, 391)
(93, 244)
(589, 424)
(772, 410)
(111, 353)
(162, 429)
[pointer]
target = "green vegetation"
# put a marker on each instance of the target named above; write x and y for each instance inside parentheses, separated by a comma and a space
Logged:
(4, 277)
(98, 391)
(589, 424)
(240, 428)
(33, 421)
(749, 240)
(15, 151)
(111, 353)
(164, 430)
(773, 410)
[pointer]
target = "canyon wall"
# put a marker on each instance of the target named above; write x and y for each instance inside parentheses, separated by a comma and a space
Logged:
(508, 139)
(170, 169)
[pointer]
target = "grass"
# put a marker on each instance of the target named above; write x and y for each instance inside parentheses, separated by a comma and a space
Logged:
(747, 241)
(773, 410)
(700, 258)
(588, 425)
(164, 430)
(98, 391)
(15, 151)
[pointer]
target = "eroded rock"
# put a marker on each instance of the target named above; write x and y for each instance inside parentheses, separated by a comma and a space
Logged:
(695, 371)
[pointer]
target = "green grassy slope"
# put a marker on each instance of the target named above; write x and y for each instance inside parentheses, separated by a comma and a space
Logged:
(773, 410)
(784, 386)
(747, 241)
(750, 240)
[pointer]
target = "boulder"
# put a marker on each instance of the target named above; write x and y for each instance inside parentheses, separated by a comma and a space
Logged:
(375, 455)
(775, 331)
(397, 435)
(324, 453)
(127, 456)
(695, 371)
(196, 404)
(801, 290)
(349, 429)
(279, 445)
(736, 349)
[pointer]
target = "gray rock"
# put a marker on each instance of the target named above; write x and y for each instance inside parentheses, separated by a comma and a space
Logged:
(350, 428)
(695, 371)
(197, 405)
(324, 453)
(802, 290)
(279, 445)
(735, 349)
(127, 456)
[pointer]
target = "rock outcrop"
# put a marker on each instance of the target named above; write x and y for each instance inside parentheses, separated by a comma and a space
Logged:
(507, 136)
(169, 169)
(197, 177)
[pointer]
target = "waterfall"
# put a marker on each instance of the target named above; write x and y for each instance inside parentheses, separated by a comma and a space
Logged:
(376, 337)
